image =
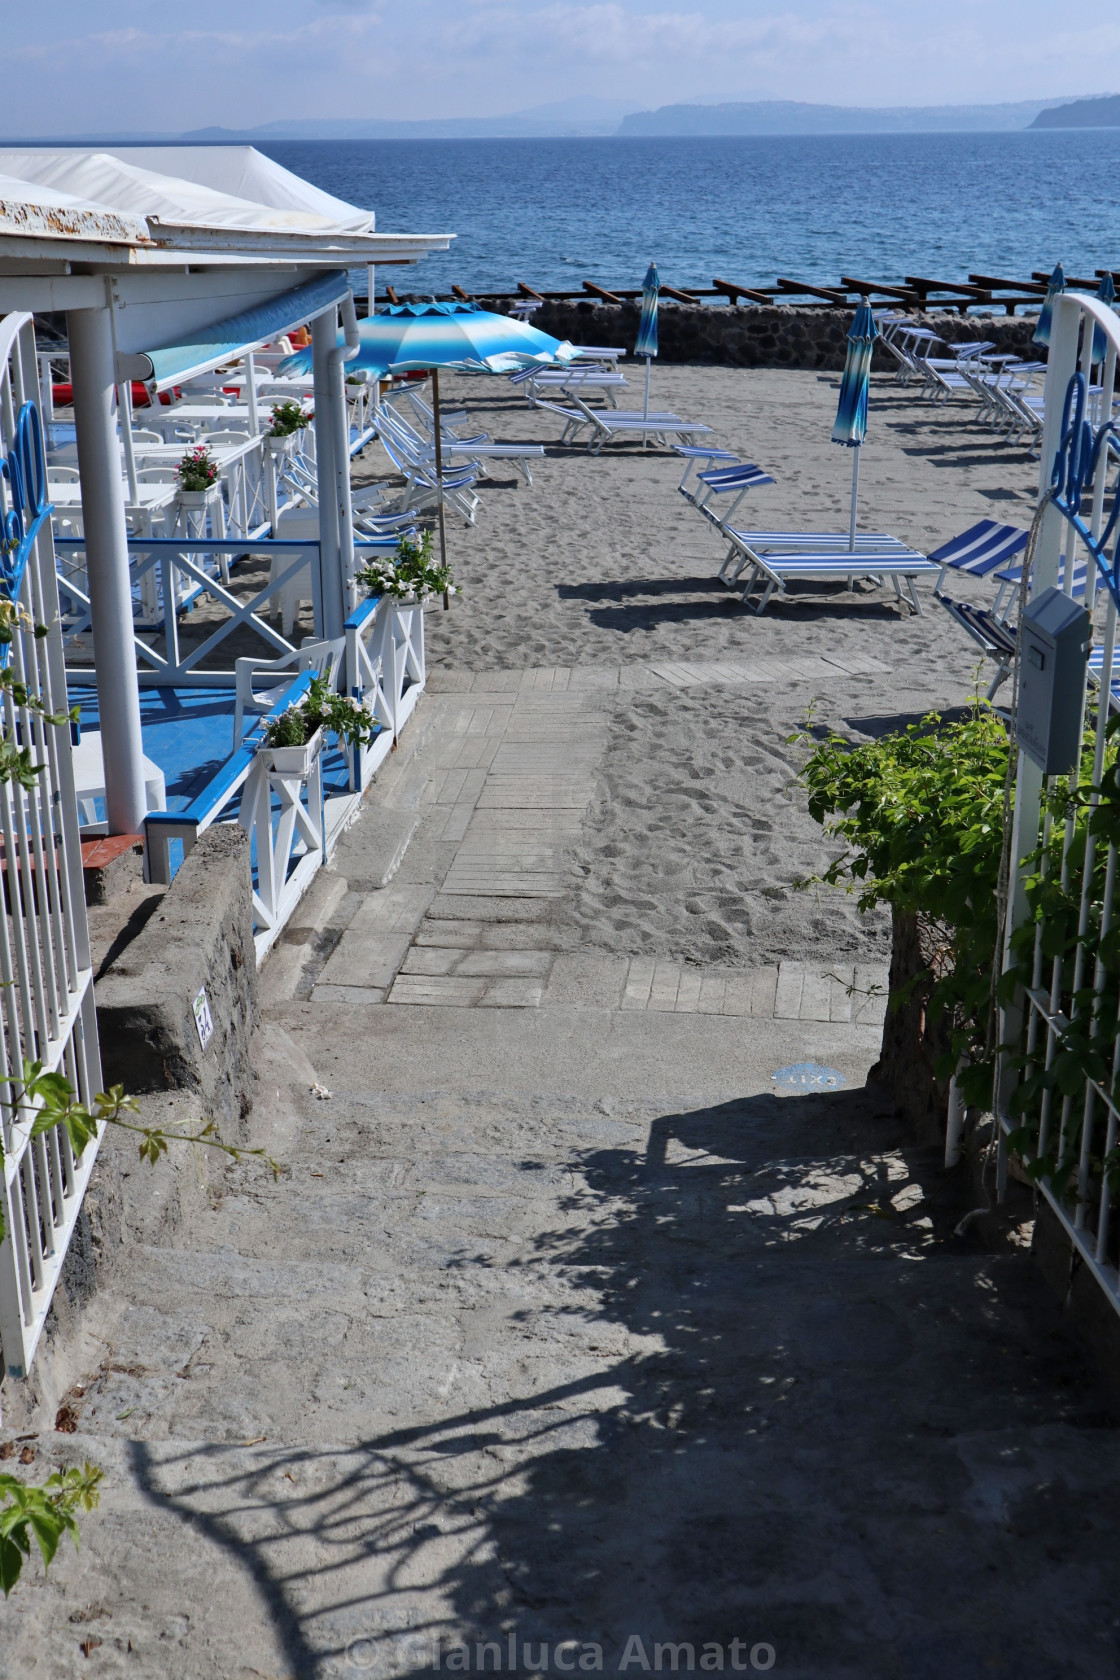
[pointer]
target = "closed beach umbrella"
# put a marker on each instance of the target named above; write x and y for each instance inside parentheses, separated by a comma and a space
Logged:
(1106, 291)
(409, 337)
(646, 343)
(1057, 285)
(850, 427)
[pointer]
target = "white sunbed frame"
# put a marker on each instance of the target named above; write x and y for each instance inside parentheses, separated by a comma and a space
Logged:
(776, 558)
(476, 450)
(607, 426)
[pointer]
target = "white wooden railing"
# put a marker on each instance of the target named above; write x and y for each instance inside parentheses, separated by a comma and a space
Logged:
(387, 671)
(292, 829)
(46, 980)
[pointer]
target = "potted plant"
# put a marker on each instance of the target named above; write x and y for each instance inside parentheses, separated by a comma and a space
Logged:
(411, 577)
(291, 741)
(288, 419)
(197, 475)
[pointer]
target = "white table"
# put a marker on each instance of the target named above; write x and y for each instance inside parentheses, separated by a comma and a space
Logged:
(67, 493)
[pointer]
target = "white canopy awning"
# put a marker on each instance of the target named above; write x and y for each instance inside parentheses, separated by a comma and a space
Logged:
(161, 200)
(111, 179)
(244, 173)
(50, 213)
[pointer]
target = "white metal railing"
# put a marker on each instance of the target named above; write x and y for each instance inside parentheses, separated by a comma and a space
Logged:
(1058, 1092)
(46, 980)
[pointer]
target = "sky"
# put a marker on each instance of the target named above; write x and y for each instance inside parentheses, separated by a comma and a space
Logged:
(72, 66)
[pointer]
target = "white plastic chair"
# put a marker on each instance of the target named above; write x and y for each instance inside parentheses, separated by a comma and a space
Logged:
(324, 658)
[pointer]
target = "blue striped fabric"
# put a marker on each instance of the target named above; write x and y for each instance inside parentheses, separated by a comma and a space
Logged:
(1106, 292)
(413, 336)
(1057, 284)
(981, 548)
(646, 342)
(1014, 574)
(735, 478)
(851, 412)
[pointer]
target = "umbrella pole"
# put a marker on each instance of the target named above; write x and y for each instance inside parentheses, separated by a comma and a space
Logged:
(439, 477)
(855, 498)
(645, 405)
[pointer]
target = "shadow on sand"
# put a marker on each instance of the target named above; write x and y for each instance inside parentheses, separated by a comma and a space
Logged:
(813, 1425)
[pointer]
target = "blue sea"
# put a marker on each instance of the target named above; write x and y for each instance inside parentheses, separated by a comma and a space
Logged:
(556, 212)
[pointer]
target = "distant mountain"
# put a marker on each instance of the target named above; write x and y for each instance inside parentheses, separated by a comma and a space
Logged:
(787, 116)
(562, 118)
(1103, 112)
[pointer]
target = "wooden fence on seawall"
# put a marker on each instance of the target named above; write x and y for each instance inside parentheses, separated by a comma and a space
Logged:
(989, 292)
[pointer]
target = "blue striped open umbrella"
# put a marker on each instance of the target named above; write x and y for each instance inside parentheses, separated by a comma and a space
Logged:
(1057, 284)
(850, 426)
(646, 342)
(1106, 292)
(405, 336)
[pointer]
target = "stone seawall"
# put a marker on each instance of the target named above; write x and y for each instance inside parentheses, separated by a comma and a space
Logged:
(755, 336)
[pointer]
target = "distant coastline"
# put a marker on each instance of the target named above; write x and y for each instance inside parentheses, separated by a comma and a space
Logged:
(592, 118)
(1103, 112)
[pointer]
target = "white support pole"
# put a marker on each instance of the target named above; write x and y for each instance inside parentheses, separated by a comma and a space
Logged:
(371, 272)
(324, 337)
(1060, 368)
(124, 422)
(251, 393)
(855, 501)
(340, 426)
(93, 375)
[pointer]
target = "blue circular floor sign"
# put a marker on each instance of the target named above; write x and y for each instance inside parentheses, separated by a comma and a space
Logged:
(808, 1076)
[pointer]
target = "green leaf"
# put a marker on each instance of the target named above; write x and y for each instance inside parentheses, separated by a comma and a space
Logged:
(14, 1548)
(48, 1527)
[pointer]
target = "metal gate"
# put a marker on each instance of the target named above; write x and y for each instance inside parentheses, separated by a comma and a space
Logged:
(1059, 1077)
(46, 981)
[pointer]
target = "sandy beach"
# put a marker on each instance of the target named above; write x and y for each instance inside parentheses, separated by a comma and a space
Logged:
(698, 832)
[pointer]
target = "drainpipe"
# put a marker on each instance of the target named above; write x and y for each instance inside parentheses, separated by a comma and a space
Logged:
(324, 337)
(340, 429)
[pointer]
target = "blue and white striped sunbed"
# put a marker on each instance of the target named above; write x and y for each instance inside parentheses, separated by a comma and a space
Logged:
(1096, 667)
(993, 635)
(979, 550)
(692, 454)
(774, 566)
(726, 481)
(607, 424)
(745, 545)
(1012, 576)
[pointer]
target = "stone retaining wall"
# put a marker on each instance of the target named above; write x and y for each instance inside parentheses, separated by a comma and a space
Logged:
(201, 936)
(759, 337)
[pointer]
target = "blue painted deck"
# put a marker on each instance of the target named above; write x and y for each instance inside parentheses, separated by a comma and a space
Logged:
(188, 732)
